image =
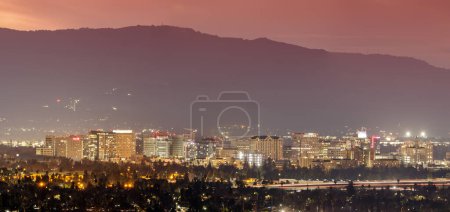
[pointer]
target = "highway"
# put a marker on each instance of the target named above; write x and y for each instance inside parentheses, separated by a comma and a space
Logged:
(393, 184)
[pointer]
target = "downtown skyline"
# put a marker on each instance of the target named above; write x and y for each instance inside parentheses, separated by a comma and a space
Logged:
(258, 105)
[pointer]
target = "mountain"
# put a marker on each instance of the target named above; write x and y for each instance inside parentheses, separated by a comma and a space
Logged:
(147, 76)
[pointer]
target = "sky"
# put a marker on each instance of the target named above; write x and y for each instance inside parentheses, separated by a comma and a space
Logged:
(416, 28)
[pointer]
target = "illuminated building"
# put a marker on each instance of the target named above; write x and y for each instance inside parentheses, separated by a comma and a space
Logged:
(58, 144)
(358, 154)
(139, 144)
(241, 144)
(74, 147)
(124, 144)
(253, 159)
(373, 146)
(157, 144)
(206, 148)
(389, 163)
(309, 148)
(230, 152)
(100, 145)
(50, 141)
(337, 150)
(44, 151)
(191, 150)
(416, 153)
(62, 146)
(178, 147)
(328, 164)
(269, 146)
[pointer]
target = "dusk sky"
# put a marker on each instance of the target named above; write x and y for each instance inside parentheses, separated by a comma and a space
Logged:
(414, 28)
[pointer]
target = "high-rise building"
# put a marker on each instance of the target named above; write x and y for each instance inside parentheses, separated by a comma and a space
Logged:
(140, 143)
(100, 145)
(44, 151)
(97, 145)
(178, 148)
(206, 148)
(62, 146)
(57, 143)
(157, 144)
(227, 153)
(74, 147)
(253, 159)
(269, 146)
(416, 153)
(337, 150)
(242, 144)
(191, 150)
(308, 147)
(50, 141)
(124, 144)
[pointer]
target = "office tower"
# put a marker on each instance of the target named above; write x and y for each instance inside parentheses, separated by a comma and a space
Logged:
(109, 146)
(58, 145)
(206, 148)
(178, 147)
(44, 151)
(242, 144)
(139, 144)
(308, 148)
(269, 146)
(157, 145)
(74, 147)
(62, 146)
(191, 150)
(337, 150)
(252, 159)
(100, 145)
(124, 144)
(416, 153)
(49, 141)
(227, 152)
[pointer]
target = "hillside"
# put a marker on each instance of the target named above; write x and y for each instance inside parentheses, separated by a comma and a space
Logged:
(147, 76)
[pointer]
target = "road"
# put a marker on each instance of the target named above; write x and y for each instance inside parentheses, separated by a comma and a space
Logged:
(393, 184)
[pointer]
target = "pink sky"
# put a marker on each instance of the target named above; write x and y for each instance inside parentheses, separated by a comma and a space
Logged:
(417, 28)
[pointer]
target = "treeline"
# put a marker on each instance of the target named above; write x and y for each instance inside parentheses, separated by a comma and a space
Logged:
(199, 195)
(268, 171)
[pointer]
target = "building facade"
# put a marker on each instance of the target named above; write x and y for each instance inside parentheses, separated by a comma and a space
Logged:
(269, 146)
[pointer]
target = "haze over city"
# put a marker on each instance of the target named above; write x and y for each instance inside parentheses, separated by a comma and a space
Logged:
(392, 96)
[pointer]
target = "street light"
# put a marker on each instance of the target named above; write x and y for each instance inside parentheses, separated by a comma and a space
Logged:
(423, 135)
(408, 134)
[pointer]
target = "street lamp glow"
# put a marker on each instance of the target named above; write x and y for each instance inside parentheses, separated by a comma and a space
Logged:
(408, 134)
(423, 134)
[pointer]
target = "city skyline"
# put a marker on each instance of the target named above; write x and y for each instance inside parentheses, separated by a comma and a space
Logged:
(256, 105)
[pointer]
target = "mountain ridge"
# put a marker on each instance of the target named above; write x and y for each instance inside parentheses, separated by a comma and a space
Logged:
(178, 29)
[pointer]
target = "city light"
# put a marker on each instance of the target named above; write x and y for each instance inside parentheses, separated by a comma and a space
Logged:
(408, 134)
(100, 114)
(41, 184)
(128, 185)
(423, 134)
